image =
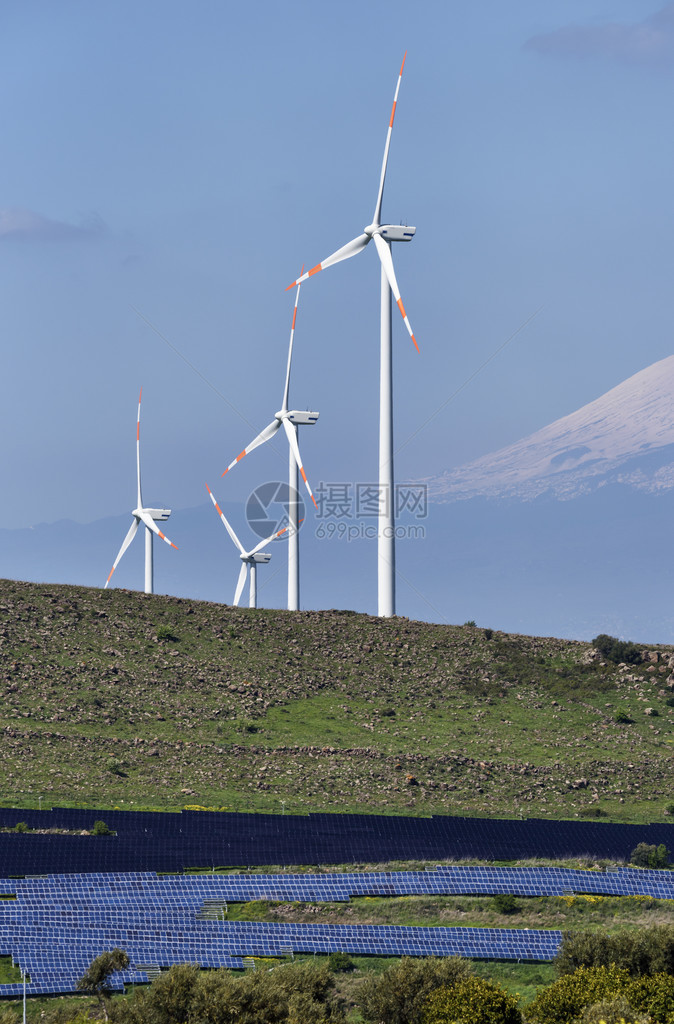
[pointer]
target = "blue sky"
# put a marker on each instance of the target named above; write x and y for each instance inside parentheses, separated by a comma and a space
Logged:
(187, 160)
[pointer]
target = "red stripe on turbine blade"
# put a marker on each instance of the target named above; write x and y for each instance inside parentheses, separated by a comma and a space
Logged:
(173, 545)
(393, 114)
(314, 270)
(291, 286)
(226, 471)
(294, 317)
(138, 431)
(163, 536)
(403, 63)
(402, 308)
(239, 457)
(218, 508)
(415, 345)
(314, 501)
(304, 475)
(110, 574)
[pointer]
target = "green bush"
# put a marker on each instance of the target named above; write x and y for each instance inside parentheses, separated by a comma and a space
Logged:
(645, 855)
(592, 812)
(617, 650)
(488, 633)
(289, 994)
(166, 633)
(473, 1001)
(100, 829)
(399, 994)
(647, 951)
(505, 903)
(340, 963)
(21, 826)
(565, 1000)
(622, 717)
(613, 1011)
(470, 622)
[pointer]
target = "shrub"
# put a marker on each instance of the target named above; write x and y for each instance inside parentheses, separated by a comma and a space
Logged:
(648, 951)
(670, 808)
(617, 650)
(399, 994)
(470, 622)
(654, 996)
(592, 812)
(622, 717)
(292, 994)
(473, 1001)
(100, 829)
(96, 978)
(166, 633)
(340, 962)
(567, 997)
(488, 633)
(21, 826)
(645, 855)
(613, 1011)
(505, 903)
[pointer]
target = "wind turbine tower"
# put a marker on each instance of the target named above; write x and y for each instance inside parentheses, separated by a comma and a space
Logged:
(290, 420)
(382, 235)
(149, 517)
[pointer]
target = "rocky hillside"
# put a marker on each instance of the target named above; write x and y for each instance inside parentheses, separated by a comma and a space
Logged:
(113, 698)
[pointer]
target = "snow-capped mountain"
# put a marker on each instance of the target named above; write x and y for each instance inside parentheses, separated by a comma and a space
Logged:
(624, 437)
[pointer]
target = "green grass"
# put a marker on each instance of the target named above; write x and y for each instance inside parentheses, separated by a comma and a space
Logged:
(9, 975)
(119, 699)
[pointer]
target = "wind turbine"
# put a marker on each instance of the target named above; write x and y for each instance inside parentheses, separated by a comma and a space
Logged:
(149, 516)
(382, 235)
(251, 559)
(290, 420)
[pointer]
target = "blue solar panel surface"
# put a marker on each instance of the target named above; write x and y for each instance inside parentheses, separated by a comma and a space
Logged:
(173, 842)
(57, 924)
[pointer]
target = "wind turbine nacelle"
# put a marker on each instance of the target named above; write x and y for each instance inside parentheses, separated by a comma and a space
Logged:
(398, 232)
(303, 419)
(160, 515)
(260, 557)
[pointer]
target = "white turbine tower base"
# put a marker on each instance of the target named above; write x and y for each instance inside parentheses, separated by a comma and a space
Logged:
(290, 420)
(250, 559)
(149, 517)
(382, 235)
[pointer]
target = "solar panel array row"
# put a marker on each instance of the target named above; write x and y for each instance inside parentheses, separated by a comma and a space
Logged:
(172, 842)
(59, 923)
(192, 890)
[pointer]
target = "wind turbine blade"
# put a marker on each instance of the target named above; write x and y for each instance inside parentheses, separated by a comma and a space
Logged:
(241, 582)
(266, 434)
(139, 503)
(294, 447)
(387, 262)
(229, 529)
(350, 249)
(151, 525)
(284, 407)
(127, 540)
(267, 540)
(377, 210)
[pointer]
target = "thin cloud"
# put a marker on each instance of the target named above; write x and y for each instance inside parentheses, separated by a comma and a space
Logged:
(27, 226)
(650, 41)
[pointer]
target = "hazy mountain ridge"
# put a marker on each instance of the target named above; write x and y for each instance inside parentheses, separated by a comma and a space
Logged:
(625, 436)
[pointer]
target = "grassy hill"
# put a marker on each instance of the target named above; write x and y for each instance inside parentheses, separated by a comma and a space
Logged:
(113, 698)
